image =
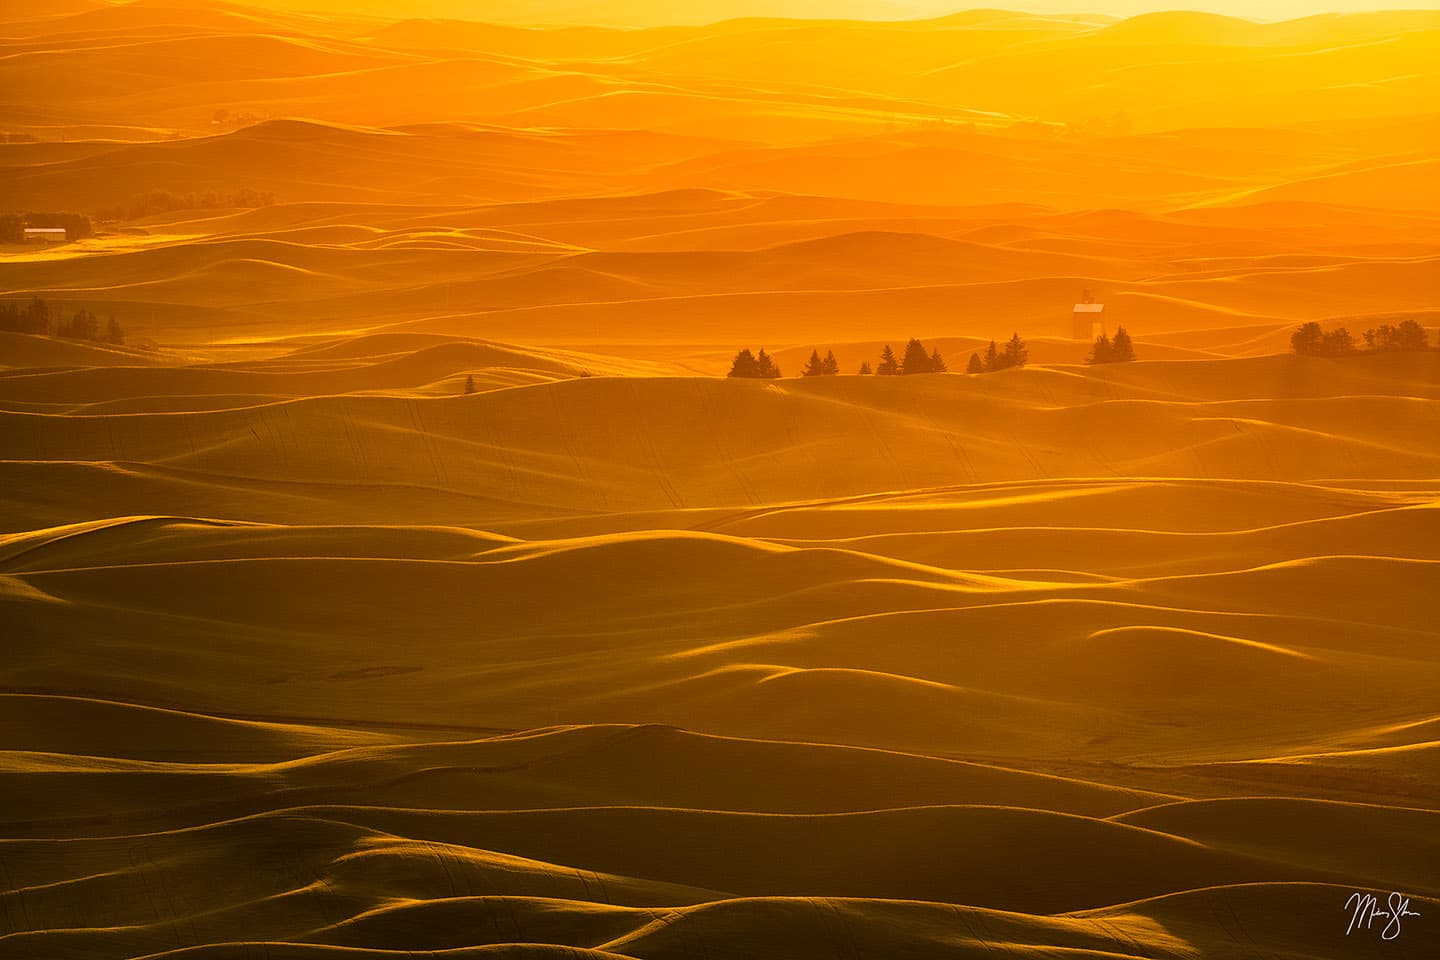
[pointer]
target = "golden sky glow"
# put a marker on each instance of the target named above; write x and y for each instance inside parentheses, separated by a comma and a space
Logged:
(1268, 10)
(652, 12)
(633, 13)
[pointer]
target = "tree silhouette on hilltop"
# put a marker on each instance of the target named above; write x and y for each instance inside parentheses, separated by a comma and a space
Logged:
(765, 366)
(818, 367)
(1015, 354)
(1101, 353)
(744, 365)
(1313, 341)
(916, 358)
(1119, 350)
(1403, 337)
(748, 365)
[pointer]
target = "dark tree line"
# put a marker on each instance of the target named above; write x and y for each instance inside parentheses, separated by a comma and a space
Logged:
(37, 317)
(1119, 350)
(915, 359)
(747, 364)
(163, 201)
(1310, 340)
(77, 226)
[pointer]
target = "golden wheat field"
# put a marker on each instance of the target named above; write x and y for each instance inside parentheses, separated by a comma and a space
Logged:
(389, 567)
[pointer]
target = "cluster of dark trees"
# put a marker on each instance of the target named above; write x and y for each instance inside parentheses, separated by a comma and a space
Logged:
(1312, 341)
(748, 364)
(37, 317)
(1013, 354)
(163, 201)
(12, 228)
(818, 367)
(916, 359)
(1119, 350)
(12, 225)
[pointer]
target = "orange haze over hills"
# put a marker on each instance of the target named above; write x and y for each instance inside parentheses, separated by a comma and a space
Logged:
(413, 579)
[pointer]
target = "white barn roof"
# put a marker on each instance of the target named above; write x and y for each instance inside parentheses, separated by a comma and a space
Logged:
(1089, 307)
(45, 231)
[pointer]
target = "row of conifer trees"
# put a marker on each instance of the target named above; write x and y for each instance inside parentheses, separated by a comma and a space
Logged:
(915, 359)
(38, 317)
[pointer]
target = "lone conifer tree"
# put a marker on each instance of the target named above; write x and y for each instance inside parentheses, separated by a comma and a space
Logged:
(992, 358)
(888, 364)
(975, 366)
(113, 333)
(37, 316)
(937, 362)
(831, 366)
(744, 365)
(1122, 348)
(470, 383)
(1015, 353)
(865, 370)
(765, 366)
(815, 367)
(916, 360)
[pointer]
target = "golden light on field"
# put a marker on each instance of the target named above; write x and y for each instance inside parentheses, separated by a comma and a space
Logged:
(625, 482)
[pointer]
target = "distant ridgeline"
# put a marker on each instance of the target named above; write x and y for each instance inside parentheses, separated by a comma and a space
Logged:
(23, 227)
(37, 317)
